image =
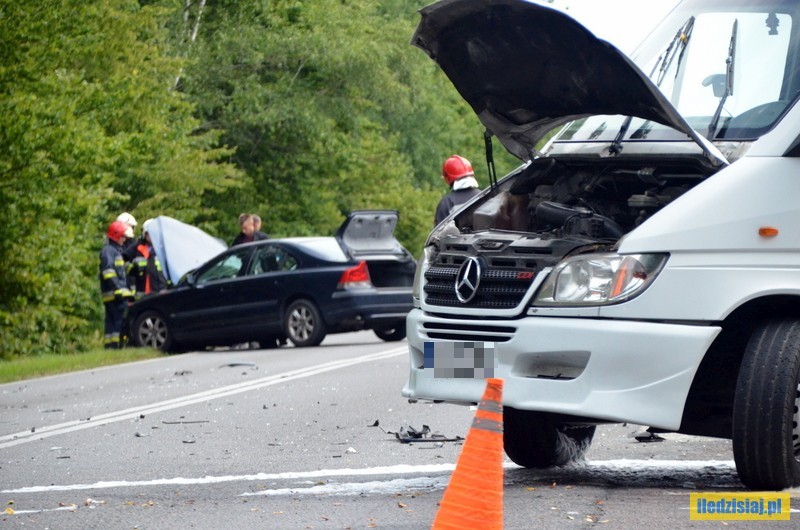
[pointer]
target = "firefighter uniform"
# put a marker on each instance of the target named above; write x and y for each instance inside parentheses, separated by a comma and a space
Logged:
(145, 268)
(115, 291)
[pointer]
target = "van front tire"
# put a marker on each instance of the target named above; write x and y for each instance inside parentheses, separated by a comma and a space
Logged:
(766, 434)
(535, 440)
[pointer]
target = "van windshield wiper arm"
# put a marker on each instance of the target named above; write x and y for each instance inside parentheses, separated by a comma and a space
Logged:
(676, 47)
(729, 62)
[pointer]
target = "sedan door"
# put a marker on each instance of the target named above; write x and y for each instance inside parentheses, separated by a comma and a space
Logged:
(211, 306)
(269, 279)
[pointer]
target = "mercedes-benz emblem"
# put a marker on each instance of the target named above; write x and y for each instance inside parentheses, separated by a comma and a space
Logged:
(468, 279)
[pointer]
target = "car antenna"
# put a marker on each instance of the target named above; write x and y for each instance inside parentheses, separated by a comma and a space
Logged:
(487, 140)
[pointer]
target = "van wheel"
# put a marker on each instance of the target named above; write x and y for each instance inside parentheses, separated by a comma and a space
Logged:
(303, 324)
(391, 334)
(766, 420)
(150, 330)
(534, 440)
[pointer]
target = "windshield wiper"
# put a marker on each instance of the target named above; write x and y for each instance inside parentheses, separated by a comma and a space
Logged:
(729, 62)
(676, 47)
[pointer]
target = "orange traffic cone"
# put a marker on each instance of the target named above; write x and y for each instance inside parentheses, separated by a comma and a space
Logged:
(474, 496)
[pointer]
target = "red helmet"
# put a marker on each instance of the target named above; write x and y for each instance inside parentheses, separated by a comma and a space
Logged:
(456, 167)
(116, 230)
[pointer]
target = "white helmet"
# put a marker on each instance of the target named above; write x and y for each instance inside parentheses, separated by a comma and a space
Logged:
(145, 225)
(127, 218)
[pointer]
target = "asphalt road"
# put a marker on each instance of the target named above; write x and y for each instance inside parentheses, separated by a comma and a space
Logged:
(305, 439)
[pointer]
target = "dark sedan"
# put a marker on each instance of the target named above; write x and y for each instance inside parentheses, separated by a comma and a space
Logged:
(295, 288)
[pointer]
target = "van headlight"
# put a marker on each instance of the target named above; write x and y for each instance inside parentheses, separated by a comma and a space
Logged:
(599, 279)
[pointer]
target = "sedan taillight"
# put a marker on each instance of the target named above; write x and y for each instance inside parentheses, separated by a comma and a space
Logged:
(355, 277)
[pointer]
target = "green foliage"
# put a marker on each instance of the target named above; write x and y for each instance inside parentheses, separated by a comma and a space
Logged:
(299, 111)
(21, 368)
(89, 126)
(330, 109)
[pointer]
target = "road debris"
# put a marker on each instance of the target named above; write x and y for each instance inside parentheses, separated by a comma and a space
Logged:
(647, 436)
(252, 366)
(408, 434)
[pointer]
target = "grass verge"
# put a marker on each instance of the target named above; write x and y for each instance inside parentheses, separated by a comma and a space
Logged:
(52, 364)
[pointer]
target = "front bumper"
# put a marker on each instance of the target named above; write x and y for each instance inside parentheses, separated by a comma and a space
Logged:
(616, 370)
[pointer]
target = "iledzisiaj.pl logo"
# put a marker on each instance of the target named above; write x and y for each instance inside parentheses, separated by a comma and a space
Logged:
(749, 506)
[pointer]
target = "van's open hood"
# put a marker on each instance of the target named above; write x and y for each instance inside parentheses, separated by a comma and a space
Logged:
(525, 69)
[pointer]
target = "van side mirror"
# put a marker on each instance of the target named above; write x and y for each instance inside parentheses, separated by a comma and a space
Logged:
(717, 82)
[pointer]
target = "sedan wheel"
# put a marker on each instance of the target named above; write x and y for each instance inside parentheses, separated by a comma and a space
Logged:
(151, 331)
(303, 324)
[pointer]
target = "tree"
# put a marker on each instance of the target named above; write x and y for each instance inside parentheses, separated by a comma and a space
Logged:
(329, 109)
(89, 126)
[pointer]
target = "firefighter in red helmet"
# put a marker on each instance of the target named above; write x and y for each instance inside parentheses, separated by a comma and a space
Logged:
(114, 283)
(457, 173)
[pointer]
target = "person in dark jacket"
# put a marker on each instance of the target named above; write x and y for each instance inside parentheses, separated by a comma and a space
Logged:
(457, 173)
(258, 235)
(145, 267)
(113, 283)
(248, 233)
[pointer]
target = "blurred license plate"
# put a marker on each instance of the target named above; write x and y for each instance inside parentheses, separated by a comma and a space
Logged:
(460, 360)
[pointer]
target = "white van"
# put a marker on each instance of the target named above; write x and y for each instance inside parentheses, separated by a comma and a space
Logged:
(644, 267)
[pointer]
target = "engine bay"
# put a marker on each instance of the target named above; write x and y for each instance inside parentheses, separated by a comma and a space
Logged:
(598, 201)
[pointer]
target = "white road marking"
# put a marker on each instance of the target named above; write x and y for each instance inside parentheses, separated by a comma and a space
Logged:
(322, 473)
(47, 431)
(650, 468)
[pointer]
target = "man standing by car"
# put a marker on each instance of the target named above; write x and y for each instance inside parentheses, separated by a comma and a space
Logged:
(114, 283)
(258, 235)
(457, 173)
(249, 232)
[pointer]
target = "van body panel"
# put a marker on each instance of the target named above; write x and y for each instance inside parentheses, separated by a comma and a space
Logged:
(639, 267)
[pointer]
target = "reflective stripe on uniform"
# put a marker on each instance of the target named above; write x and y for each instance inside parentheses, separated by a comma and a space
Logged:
(109, 273)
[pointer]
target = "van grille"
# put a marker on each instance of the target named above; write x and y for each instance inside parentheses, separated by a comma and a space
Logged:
(509, 265)
(468, 333)
(498, 289)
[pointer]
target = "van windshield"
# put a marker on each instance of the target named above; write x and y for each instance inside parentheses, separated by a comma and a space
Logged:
(730, 67)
